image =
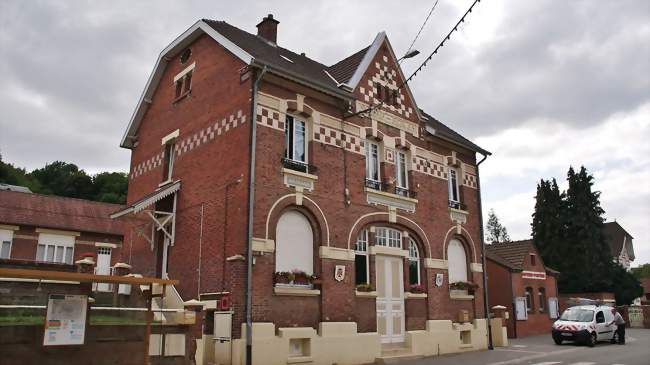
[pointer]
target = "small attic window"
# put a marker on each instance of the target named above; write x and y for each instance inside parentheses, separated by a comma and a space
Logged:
(287, 58)
(185, 56)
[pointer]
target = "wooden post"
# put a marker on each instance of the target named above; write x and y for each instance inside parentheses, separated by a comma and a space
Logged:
(162, 321)
(147, 330)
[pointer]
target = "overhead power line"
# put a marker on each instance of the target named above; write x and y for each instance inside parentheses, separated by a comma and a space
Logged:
(422, 27)
(442, 43)
(423, 64)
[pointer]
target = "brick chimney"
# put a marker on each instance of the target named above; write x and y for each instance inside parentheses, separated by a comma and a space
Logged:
(268, 29)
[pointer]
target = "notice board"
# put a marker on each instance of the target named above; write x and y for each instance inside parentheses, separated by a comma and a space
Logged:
(65, 321)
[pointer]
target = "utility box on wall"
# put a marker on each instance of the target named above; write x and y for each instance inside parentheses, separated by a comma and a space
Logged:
(222, 337)
(222, 326)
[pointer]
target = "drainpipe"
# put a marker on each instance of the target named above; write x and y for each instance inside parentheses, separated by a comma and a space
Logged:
(251, 206)
(486, 303)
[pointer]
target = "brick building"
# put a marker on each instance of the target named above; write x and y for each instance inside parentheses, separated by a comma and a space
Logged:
(355, 223)
(519, 281)
(620, 243)
(46, 228)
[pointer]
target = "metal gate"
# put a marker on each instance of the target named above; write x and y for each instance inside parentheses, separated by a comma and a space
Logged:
(635, 314)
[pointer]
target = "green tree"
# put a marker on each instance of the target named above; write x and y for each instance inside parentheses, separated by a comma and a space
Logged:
(588, 253)
(626, 287)
(9, 174)
(549, 223)
(642, 271)
(497, 233)
(64, 179)
(110, 187)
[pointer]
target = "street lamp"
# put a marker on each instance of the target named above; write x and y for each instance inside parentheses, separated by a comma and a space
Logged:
(410, 54)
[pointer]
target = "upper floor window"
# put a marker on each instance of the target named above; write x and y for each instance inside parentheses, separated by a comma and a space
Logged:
(454, 196)
(372, 161)
(388, 237)
(183, 85)
(532, 259)
(361, 260)
(168, 163)
(414, 263)
(295, 131)
(401, 172)
(386, 95)
(6, 237)
(183, 82)
(55, 248)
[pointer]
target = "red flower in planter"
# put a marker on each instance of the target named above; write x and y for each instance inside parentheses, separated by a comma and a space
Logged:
(88, 254)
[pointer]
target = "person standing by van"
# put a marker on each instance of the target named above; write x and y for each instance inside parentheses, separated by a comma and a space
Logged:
(620, 326)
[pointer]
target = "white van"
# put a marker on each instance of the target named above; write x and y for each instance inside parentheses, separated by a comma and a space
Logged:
(586, 324)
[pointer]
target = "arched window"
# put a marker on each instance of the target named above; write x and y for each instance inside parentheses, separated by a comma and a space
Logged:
(542, 299)
(361, 266)
(457, 261)
(294, 243)
(414, 263)
(530, 306)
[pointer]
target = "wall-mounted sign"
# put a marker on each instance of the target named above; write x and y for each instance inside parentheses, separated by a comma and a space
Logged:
(65, 322)
(339, 272)
(439, 279)
(535, 275)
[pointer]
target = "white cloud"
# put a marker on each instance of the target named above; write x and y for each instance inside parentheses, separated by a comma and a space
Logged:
(616, 152)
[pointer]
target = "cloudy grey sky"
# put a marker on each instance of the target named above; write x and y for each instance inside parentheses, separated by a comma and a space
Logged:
(541, 84)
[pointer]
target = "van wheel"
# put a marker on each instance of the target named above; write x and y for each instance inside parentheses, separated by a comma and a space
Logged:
(558, 341)
(592, 340)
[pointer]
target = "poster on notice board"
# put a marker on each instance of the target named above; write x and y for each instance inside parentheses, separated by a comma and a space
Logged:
(65, 321)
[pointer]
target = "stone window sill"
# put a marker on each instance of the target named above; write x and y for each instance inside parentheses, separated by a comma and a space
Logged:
(460, 295)
(296, 292)
(300, 360)
(466, 346)
(366, 294)
(409, 295)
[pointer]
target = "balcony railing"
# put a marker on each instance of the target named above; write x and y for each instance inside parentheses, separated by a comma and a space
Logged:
(377, 185)
(405, 192)
(457, 205)
(298, 166)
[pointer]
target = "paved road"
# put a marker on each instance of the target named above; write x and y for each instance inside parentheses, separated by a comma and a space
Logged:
(540, 350)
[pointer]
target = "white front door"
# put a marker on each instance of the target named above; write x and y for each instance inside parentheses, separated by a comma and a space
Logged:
(390, 298)
(103, 266)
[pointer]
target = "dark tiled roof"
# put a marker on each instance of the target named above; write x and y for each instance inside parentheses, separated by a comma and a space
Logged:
(615, 236)
(513, 253)
(314, 71)
(48, 211)
(270, 54)
(449, 133)
(343, 70)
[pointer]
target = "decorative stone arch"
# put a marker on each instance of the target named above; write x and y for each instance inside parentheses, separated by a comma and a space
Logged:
(382, 218)
(464, 237)
(308, 207)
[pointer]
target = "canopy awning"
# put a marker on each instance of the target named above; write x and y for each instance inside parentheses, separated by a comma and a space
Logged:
(159, 194)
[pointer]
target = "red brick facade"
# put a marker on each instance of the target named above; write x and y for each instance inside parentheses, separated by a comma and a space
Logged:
(28, 215)
(505, 284)
(210, 238)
